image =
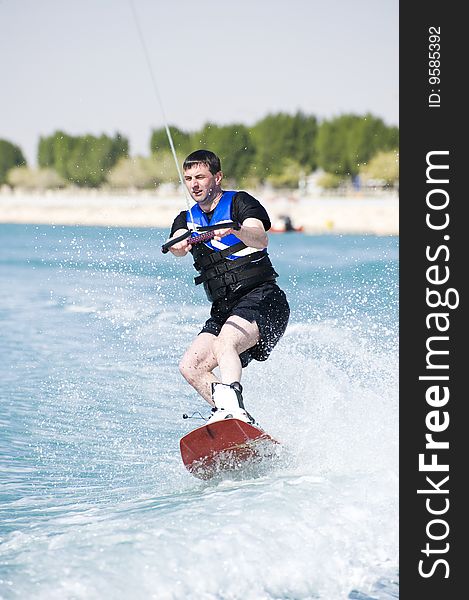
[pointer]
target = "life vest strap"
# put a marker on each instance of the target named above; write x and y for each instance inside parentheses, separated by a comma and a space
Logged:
(213, 258)
(219, 268)
(247, 278)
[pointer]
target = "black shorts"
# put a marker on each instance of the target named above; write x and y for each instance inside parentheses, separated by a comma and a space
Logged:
(267, 305)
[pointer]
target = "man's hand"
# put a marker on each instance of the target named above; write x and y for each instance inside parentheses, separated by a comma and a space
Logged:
(219, 233)
(181, 248)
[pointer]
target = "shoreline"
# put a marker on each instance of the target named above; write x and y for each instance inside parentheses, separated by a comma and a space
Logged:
(378, 215)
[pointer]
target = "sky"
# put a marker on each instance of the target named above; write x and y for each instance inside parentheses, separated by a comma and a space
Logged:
(79, 66)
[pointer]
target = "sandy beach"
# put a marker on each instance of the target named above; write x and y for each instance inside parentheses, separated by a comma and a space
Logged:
(316, 215)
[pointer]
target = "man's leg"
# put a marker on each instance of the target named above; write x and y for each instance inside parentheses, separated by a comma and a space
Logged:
(198, 363)
(236, 336)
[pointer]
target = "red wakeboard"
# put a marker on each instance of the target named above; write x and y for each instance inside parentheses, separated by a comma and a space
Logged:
(226, 445)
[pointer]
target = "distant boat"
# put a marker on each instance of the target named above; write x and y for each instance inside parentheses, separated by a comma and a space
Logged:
(285, 230)
(284, 225)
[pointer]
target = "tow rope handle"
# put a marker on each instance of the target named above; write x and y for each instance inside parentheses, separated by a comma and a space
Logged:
(208, 232)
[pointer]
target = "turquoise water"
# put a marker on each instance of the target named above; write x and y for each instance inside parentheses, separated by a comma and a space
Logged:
(95, 502)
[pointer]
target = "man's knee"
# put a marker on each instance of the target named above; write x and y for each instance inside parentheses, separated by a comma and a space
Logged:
(192, 367)
(187, 368)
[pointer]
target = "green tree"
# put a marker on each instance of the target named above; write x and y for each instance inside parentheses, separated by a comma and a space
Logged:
(83, 160)
(289, 175)
(182, 141)
(63, 145)
(10, 156)
(368, 136)
(45, 152)
(138, 172)
(119, 149)
(166, 170)
(332, 144)
(383, 166)
(92, 157)
(305, 129)
(34, 179)
(329, 181)
(232, 143)
(281, 137)
(348, 141)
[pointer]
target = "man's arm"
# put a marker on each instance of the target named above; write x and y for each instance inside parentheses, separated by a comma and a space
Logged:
(252, 233)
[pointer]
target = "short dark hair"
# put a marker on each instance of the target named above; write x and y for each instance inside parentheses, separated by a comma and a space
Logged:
(204, 157)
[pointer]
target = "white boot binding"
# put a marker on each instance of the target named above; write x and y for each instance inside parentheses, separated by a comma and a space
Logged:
(238, 388)
(229, 403)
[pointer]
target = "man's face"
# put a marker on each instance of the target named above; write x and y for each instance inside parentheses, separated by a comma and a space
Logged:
(202, 185)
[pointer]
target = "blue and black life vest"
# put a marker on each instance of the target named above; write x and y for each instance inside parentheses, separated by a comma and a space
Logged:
(228, 265)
